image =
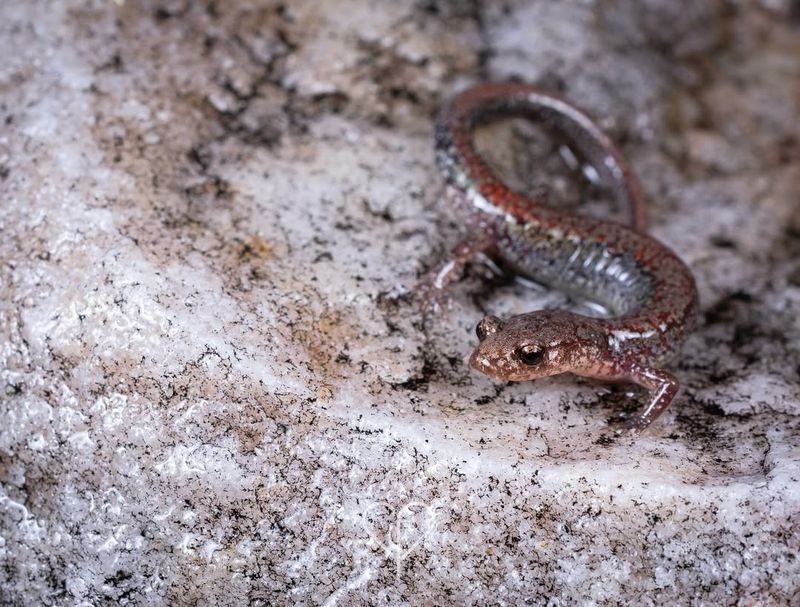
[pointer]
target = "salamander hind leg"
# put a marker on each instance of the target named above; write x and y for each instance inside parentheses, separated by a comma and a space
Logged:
(662, 387)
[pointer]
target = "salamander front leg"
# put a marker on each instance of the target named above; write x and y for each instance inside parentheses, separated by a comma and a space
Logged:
(662, 386)
(431, 291)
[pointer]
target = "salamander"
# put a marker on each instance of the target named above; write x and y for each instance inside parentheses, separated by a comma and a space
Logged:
(649, 292)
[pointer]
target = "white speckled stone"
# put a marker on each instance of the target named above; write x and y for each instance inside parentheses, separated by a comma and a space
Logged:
(214, 390)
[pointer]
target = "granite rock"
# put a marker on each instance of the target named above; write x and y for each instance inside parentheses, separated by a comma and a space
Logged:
(215, 389)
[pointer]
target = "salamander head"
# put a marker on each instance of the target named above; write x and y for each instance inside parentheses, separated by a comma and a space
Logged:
(538, 344)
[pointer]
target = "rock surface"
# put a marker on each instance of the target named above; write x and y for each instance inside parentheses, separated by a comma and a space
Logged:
(215, 390)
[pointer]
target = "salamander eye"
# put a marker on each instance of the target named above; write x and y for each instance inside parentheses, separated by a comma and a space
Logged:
(530, 355)
(488, 326)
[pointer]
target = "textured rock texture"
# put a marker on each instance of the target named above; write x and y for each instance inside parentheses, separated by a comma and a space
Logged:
(215, 389)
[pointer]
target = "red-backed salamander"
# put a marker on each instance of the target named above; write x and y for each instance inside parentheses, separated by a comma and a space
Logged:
(649, 292)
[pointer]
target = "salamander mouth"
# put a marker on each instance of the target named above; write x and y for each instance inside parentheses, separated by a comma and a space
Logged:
(507, 368)
(479, 362)
(483, 363)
